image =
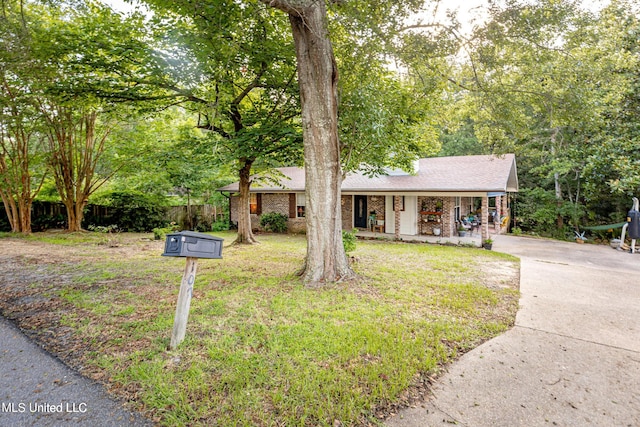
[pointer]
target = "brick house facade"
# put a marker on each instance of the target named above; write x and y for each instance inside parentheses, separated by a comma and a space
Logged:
(432, 200)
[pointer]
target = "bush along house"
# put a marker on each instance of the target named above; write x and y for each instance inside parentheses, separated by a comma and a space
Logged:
(443, 196)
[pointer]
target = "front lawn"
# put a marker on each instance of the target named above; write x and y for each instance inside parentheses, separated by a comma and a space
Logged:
(261, 349)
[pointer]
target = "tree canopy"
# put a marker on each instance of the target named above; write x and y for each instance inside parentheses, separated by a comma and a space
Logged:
(554, 83)
(90, 96)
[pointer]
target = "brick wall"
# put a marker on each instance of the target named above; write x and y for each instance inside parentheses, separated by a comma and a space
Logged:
(297, 225)
(233, 208)
(433, 204)
(448, 219)
(376, 203)
(484, 227)
(397, 207)
(347, 212)
(277, 202)
(271, 202)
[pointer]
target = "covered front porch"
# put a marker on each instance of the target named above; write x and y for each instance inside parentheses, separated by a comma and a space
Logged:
(471, 239)
(428, 217)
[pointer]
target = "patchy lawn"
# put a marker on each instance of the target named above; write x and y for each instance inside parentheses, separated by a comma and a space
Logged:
(261, 349)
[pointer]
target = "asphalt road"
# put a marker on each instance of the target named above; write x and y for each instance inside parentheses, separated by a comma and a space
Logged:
(38, 390)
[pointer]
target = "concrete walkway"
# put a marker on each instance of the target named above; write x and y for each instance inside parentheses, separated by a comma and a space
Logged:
(573, 358)
(471, 239)
(37, 390)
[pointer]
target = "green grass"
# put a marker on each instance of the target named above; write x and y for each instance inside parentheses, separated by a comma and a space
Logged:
(261, 349)
(60, 238)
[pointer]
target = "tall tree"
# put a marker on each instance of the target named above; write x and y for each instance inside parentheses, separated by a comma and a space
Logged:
(318, 81)
(387, 115)
(166, 153)
(612, 169)
(384, 121)
(77, 143)
(537, 82)
(77, 123)
(326, 260)
(250, 54)
(230, 64)
(22, 169)
(45, 79)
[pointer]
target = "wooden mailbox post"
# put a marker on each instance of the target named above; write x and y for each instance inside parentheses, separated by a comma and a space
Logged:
(191, 245)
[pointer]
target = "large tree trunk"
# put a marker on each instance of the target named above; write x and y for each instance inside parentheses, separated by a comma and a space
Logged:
(11, 211)
(15, 188)
(75, 214)
(24, 212)
(75, 152)
(245, 234)
(68, 179)
(17, 199)
(326, 260)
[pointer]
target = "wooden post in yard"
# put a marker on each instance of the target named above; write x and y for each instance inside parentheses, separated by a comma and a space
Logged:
(184, 302)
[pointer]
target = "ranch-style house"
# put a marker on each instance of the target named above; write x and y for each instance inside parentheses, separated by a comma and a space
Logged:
(443, 196)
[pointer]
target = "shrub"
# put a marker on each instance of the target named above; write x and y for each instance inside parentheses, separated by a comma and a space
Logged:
(197, 222)
(202, 226)
(113, 228)
(275, 222)
(160, 233)
(4, 224)
(349, 240)
(112, 240)
(133, 211)
(46, 222)
(220, 226)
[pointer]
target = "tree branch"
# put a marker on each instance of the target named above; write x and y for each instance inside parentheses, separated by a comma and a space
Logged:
(292, 7)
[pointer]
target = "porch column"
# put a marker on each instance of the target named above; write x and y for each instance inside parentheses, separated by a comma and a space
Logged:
(499, 212)
(397, 206)
(484, 226)
(505, 207)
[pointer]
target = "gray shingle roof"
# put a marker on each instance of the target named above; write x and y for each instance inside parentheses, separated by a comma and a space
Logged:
(487, 173)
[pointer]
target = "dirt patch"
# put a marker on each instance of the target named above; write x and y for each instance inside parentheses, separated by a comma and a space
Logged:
(32, 276)
(500, 274)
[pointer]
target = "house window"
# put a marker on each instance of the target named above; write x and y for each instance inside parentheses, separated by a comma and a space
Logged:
(401, 203)
(254, 203)
(456, 210)
(300, 205)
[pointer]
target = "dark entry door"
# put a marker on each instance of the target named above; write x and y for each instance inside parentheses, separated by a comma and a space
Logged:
(360, 211)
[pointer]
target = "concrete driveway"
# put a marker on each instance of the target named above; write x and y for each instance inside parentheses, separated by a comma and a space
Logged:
(573, 358)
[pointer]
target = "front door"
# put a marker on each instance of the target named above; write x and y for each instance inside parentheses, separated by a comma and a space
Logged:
(408, 215)
(360, 211)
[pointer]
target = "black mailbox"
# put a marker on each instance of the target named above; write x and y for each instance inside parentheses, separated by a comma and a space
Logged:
(192, 244)
(633, 218)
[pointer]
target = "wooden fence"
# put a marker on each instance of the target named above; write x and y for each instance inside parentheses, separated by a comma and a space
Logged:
(200, 214)
(53, 215)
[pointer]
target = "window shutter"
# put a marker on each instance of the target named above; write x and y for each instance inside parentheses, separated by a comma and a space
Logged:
(292, 205)
(259, 203)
